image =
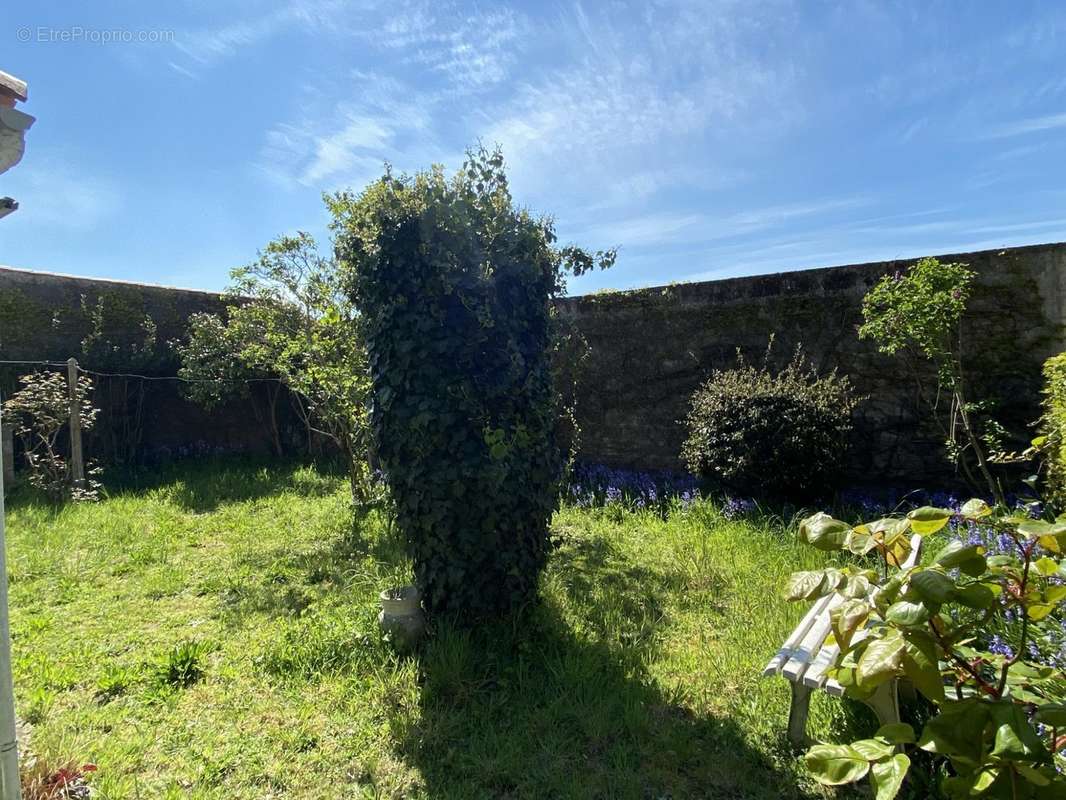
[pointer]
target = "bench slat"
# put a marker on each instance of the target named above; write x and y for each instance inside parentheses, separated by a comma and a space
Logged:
(794, 638)
(805, 653)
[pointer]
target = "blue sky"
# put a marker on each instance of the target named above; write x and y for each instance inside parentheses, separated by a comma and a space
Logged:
(706, 139)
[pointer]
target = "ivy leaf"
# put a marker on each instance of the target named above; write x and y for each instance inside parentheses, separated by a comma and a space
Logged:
(927, 519)
(835, 764)
(886, 777)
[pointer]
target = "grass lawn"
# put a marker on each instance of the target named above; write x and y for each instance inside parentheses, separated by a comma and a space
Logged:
(213, 636)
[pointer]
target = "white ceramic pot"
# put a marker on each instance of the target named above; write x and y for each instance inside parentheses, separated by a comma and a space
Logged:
(401, 617)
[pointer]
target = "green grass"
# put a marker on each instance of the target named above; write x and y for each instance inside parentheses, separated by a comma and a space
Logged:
(213, 636)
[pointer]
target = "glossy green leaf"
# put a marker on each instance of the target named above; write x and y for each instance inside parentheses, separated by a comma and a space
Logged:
(907, 613)
(956, 731)
(922, 666)
(976, 595)
(975, 508)
(1015, 737)
(805, 585)
(886, 777)
(932, 586)
(969, 558)
(846, 619)
(880, 660)
(835, 764)
(824, 532)
(896, 733)
(872, 749)
(927, 519)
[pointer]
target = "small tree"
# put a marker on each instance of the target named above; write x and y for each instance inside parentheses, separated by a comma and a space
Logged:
(919, 312)
(290, 318)
(38, 414)
(212, 363)
(455, 285)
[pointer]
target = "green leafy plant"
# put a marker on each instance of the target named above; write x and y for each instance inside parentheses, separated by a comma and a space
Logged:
(770, 433)
(114, 682)
(122, 339)
(289, 322)
(39, 413)
(1053, 427)
(455, 287)
(919, 313)
(998, 716)
(182, 665)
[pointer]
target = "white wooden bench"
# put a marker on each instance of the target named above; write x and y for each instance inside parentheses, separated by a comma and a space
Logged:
(805, 658)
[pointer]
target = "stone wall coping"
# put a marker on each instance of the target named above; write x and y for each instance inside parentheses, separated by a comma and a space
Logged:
(30, 274)
(774, 283)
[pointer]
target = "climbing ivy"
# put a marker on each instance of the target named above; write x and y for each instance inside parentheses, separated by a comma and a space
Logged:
(455, 287)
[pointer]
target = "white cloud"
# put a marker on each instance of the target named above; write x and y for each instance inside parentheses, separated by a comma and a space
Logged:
(1025, 126)
(208, 46)
(628, 103)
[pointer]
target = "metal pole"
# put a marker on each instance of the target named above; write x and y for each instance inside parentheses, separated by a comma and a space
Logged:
(9, 760)
(76, 463)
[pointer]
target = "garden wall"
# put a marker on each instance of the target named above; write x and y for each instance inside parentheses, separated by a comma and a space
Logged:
(49, 317)
(650, 349)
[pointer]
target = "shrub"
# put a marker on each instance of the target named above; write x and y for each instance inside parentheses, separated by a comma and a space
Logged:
(1053, 426)
(455, 286)
(997, 711)
(38, 413)
(918, 314)
(778, 434)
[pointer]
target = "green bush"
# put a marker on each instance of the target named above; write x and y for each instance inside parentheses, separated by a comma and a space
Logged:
(455, 285)
(1053, 426)
(763, 433)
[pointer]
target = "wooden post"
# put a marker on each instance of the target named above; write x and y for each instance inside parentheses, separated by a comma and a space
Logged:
(77, 463)
(7, 453)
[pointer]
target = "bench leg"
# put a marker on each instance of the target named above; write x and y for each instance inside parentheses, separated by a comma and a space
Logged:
(797, 714)
(885, 703)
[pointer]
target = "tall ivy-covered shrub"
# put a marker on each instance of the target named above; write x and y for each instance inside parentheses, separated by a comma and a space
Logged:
(455, 286)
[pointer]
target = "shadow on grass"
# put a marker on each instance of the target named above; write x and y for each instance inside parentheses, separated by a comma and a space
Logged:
(528, 709)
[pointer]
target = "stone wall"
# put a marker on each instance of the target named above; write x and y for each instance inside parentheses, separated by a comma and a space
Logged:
(48, 317)
(651, 348)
